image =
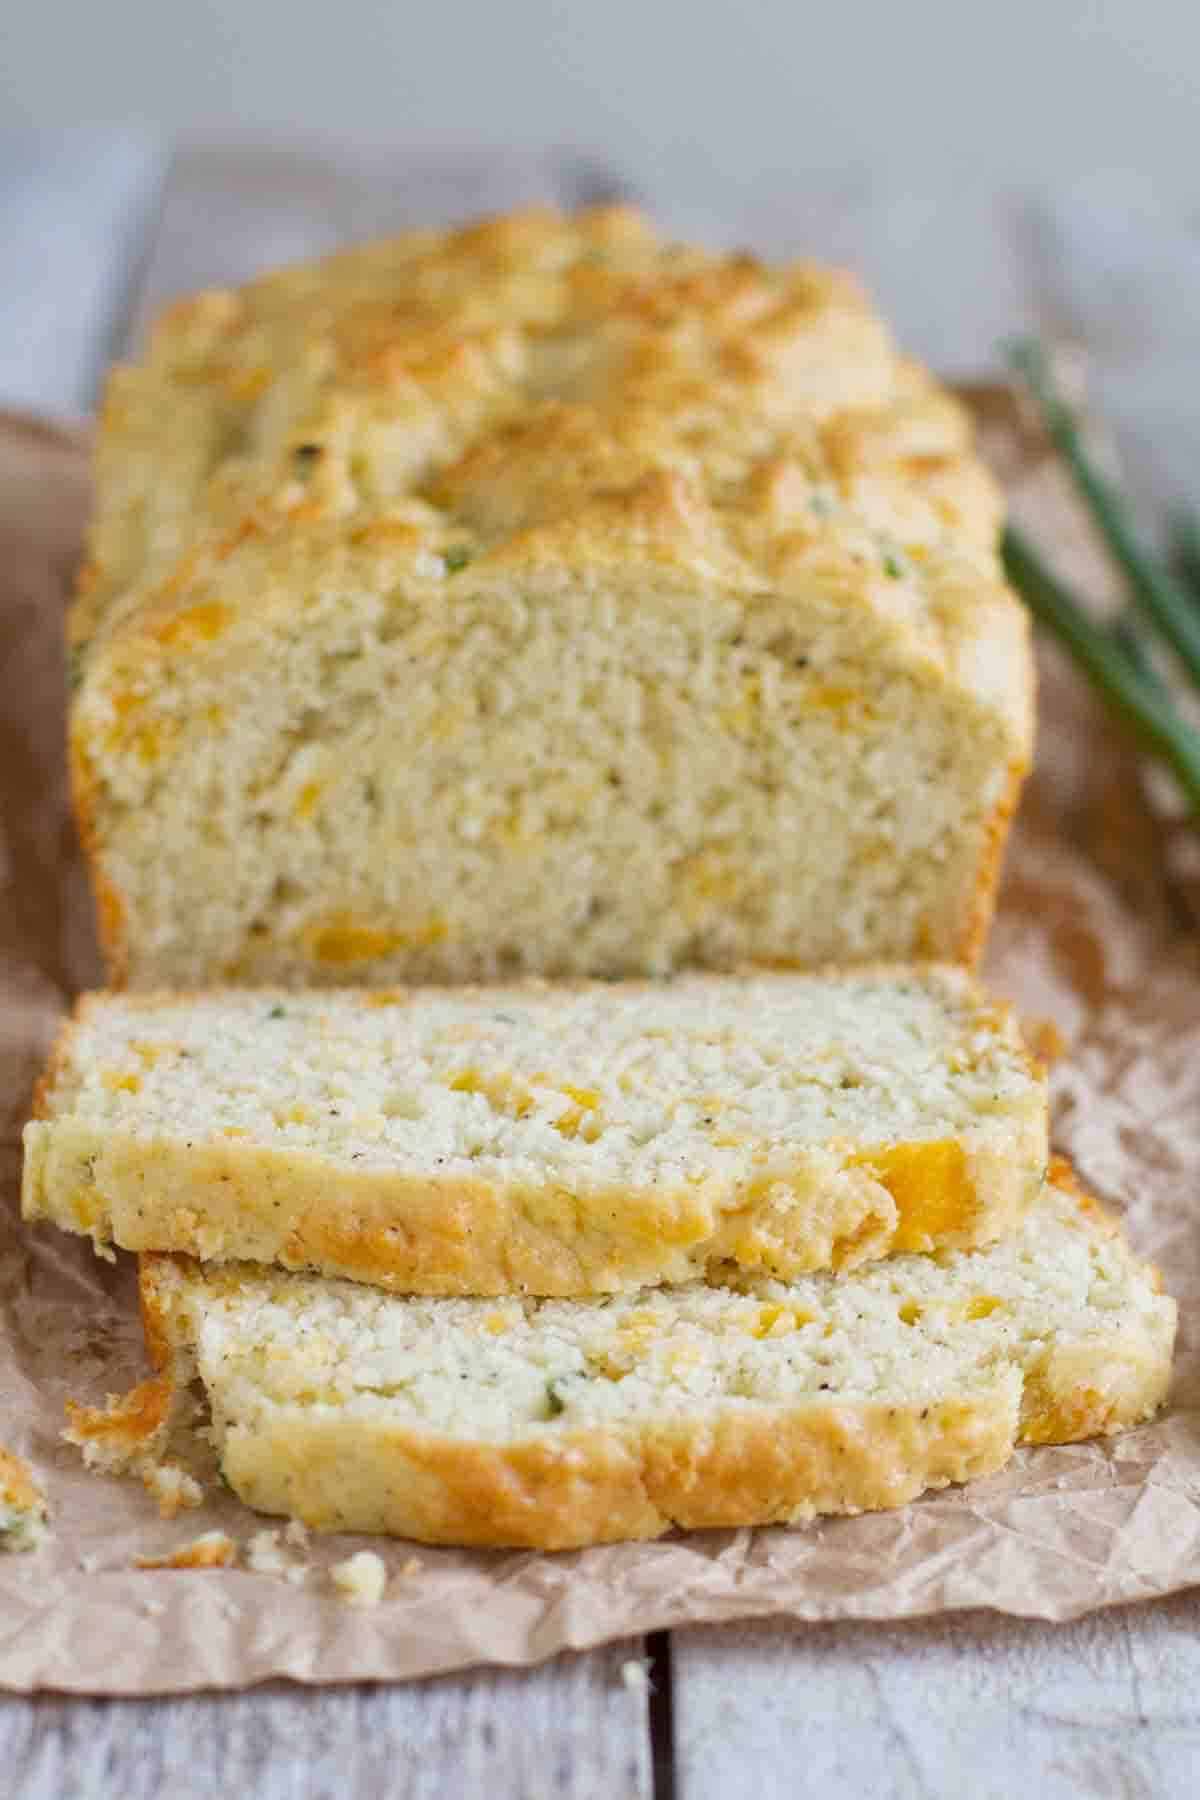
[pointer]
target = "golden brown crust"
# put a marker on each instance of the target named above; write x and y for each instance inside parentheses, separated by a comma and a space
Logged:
(744, 1465)
(154, 1328)
(223, 1199)
(60, 1053)
(1061, 1173)
(1073, 1396)
(447, 1237)
(56, 1062)
(595, 1487)
(1093, 1408)
(979, 919)
(110, 908)
(751, 1466)
(795, 350)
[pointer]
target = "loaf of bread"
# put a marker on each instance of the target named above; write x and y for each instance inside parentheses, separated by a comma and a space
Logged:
(544, 1140)
(540, 597)
(560, 1423)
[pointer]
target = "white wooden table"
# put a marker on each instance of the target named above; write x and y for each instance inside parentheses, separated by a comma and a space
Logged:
(97, 231)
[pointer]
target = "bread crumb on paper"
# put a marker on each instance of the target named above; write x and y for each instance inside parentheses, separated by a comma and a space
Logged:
(265, 1556)
(126, 1432)
(296, 1534)
(211, 1550)
(23, 1510)
(361, 1579)
(172, 1487)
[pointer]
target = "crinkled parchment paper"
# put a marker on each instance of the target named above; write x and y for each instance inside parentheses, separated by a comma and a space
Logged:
(1095, 932)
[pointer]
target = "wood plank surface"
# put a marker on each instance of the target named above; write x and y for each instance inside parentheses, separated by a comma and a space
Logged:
(942, 1709)
(573, 1730)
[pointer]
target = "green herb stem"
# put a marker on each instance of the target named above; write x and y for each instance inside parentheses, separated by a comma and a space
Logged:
(1139, 702)
(1183, 530)
(1130, 641)
(1170, 608)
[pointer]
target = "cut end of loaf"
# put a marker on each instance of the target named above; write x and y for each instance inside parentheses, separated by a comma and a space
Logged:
(667, 584)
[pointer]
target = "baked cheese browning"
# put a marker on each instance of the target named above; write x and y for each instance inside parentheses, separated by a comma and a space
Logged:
(930, 1184)
(23, 1509)
(544, 597)
(557, 1423)
(211, 1550)
(543, 1139)
(128, 1428)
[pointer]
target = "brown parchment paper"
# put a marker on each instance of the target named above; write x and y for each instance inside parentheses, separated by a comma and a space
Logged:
(1095, 932)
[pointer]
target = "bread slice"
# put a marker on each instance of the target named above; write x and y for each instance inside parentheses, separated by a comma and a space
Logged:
(539, 597)
(561, 1423)
(543, 1140)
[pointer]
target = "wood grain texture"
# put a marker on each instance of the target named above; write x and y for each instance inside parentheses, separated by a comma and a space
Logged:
(75, 208)
(575, 1729)
(1106, 1707)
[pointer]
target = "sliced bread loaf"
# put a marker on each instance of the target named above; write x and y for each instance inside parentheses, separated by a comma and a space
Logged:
(545, 1141)
(562, 1423)
(539, 597)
